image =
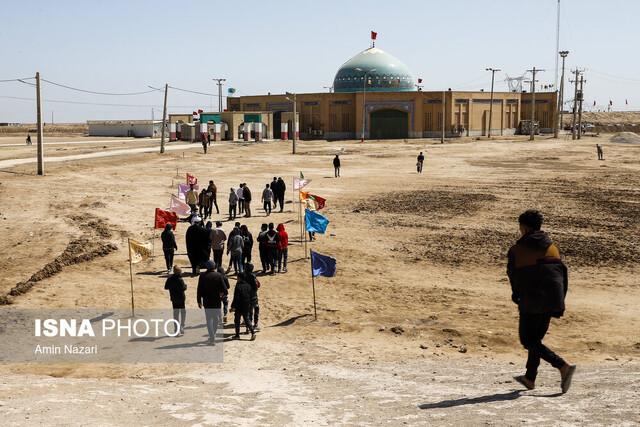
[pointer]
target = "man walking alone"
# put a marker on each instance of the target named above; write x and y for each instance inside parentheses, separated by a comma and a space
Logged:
(539, 285)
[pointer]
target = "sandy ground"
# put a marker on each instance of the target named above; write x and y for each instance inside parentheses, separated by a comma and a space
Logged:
(423, 255)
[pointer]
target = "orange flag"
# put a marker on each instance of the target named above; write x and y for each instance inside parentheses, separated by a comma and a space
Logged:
(303, 195)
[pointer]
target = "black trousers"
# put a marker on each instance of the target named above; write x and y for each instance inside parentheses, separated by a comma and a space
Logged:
(532, 329)
(217, 257)
(232, 211)
(281, 201)
(168, 257)
(267, 206)
(263, 258)
(240, 206)
(238, 318)
(215, 203)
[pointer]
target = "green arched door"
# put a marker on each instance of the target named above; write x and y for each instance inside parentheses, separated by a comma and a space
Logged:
(389, 124)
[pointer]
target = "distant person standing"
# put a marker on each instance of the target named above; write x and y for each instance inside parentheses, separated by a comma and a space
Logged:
(420, 162)
(204, 142)
(233, 203)
(191, 198)
(203, 202)
(539, 286)
(169, 245)
(336, 166)
(267, 197)
(211, 291)
(28, 140)
(247, 200)
(213, 196)
(241, 305)
(600, 152)
(176, 287)
(282, 190)
(240, 192)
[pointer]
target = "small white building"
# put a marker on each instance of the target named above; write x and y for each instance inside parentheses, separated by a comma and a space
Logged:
(130, 128)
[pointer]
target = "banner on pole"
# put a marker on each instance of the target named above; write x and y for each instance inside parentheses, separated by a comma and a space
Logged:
(166, 217)
(315, 222)
(179, 207)
(322, 265)
(183, 188)
(299, 183)
(139, 251)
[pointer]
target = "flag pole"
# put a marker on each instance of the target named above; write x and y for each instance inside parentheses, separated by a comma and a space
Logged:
(154, 239)
(133, 311)
(305, 234)
(300, 220)
(313, 284)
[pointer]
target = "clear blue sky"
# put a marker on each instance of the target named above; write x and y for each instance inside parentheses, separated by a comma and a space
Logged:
(297, 46)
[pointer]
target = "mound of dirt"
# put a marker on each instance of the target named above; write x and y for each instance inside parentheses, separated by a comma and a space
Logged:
(627, 137)
(77, 251)
(443, 202)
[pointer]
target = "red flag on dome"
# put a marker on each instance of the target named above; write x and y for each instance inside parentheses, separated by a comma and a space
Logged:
(200, 111)
(594, 103)
(373, 35)
(610, 102)
(195, 113)
(419, 80)
(626, 101)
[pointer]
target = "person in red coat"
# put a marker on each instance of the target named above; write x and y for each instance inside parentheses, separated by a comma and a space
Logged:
(283, 251)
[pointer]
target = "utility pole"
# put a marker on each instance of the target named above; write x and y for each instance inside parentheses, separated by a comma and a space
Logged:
(295, 124)
(164, 118)
(442, 120)
(560, 104)
(219, 93)
(580, 97)
(493, 73)
(575, 105)
(40, 142)
(51, 116)
(533, 103)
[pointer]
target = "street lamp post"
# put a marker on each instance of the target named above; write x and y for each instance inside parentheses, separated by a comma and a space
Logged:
(493, 73)
(559, 114)
(364, 90)
(295, 120)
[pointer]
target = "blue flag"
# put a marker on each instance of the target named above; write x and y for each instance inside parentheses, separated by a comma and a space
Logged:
(315, 222)
(322, 265)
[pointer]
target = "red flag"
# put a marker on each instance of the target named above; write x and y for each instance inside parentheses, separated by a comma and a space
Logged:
(594, 103)
(373, 35)
(191, 179)
(319, 200)
(419, 80)
(165, 217)
(195, 113)
(626, 101)
(200, 111)
(610, 102)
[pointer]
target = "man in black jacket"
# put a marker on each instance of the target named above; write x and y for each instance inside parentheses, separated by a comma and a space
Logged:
(539, 286)
(274, 189)
(211, 291)
(197, 241)
(247, 200)
(176, 287)
(241, 305)
(336, 166)
(169, 245)
(282, 190)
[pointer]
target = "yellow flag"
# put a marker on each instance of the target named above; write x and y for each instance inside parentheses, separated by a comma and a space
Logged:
(139, 251)
(303, 195)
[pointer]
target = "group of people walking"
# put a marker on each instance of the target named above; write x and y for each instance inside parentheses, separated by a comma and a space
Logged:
(212, 295)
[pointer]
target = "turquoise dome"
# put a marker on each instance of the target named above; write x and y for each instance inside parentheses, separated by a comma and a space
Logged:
(391, 75)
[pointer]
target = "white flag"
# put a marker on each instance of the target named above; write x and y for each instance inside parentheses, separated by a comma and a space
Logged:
(179, 207)
(299, 183)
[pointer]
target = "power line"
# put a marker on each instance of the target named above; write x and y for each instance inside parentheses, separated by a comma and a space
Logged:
(95, 92)
(192, 91)
(16, 80)
(96, 103)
